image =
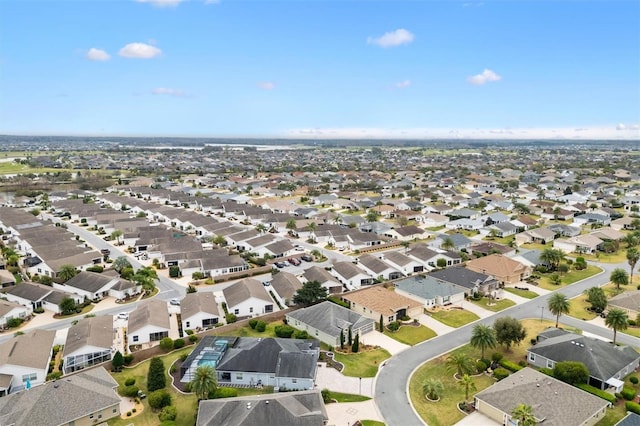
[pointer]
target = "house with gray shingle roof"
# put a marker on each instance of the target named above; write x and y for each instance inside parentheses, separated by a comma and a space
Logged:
(247, 298)
(405, 264)
(350, 275)
(85, 398)
(378, 268)
(554, 402)
(10, 310)
(89, 342)
(326, 280)
(430, 291)
(148, 323)
(607, 364)
(284, 409)
(25, 359)
(38, 296)
(286, 285)
(325, 321)
(199, 311)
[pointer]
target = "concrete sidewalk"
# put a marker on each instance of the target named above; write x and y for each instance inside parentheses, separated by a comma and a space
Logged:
(332, 379)
(347, 413)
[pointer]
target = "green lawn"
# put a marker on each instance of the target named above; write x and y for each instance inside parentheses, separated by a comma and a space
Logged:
(528, 294)
(249, 332)
(410, 335)
(362, 364)
(617, 257)
(569, 278)
(186, 404)
(613, 415)
(347, 397)
(454, 317)
(495, 306)
(371, 423)
(578, 308)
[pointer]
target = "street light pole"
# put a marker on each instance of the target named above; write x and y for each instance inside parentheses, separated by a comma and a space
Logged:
(541, 312)
(360, 382)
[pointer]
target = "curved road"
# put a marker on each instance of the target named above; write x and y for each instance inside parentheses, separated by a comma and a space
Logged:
(391, 392)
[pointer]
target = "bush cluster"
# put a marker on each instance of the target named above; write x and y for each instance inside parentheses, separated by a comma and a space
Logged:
(284, 331)
(500, 373)
(511, 366)
(597, 392)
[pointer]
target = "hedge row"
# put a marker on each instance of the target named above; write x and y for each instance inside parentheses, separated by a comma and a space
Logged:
(511, 366)
(632, 406)
(597, 392)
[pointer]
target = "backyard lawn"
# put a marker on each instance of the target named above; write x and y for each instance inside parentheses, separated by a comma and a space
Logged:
(371, 423)
(410, 335)
(569, 278)
(578, 308)
(454, 317)
(494, 306)
(347, 397)
(528, 294)
(362, 364)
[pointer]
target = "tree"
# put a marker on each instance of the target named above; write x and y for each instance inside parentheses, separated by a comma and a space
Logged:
(509, 331)
(633, 255)
(572, 372)
(67, 306)
(350, 337)
(120, 263)
(118, 361)
(67, 272)
(341, 339)
(155, 377)
(460, 363)
(555, 279)
(432, 388)
(381, 324)
(204, 381)
(448, 244)
(146, 277)
(115, 235)
(291, 224)
(558, 305)
(523, 414)
(372, 216)
(597, 299)
(619, 277)
(468, 385)
(261, 228)
(616, 319)
(356, 344)
(483, 337)
(159, 399)
(552, 257)
(310, 293)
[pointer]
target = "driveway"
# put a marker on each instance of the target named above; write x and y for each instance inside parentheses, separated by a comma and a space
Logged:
(378, 339)
(350, 412)
(477, 419)
(332, 379)
(434, 324)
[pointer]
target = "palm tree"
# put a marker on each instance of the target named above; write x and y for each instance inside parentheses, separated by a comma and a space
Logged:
(483, 337)
(115, 235)
(633, 255)
(616, 319)
(524, 415)
(291, 224)
(558, 305)
(619, 277)
(552, 257)
(146, 277)
(432, 388)
(261, 228)
(468, 384)
(67, 272)
(447, 244)
(461, 363)
(204, 381)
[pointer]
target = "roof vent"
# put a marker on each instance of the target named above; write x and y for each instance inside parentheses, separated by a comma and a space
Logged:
(267, 401)
(248, 405)
(573, 343)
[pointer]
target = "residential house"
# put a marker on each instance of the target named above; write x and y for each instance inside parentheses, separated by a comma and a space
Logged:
(403, 263)
(377, 268)
(629, 301)
(350, 275)
(458, 241)
(95, 286)
(199, 311)
(429, 257)
(553, 401)
(305, 408)
(285, 285)
(89, 342)
(321, 275)
(24, 360)
(607, 364)
(486, 248)
(11, 310)
(285, 364)
(408, 233)
(536, 235)
(247, 298)
(430, 291)
(471, 280)
(592, 218)
(378, 302)
(327, 320)
(6, 279)
(587, 244)
(38, 296)
(504, 269)
(565, 230)
(502, 229)
(83, 399)
(148, 323)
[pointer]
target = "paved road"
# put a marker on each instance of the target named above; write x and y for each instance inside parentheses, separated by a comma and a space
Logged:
(391, 393)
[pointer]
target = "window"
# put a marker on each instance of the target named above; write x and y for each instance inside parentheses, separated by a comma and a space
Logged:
(115, 410)
(294, 380)
(238, 376)
(135, 338)
(549, 363)
(236, 311)
(31, 377)
(532, 356)
(188, 324)
(391, 319)
(251, 310)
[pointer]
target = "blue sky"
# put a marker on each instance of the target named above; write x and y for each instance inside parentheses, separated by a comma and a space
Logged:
(305, 68)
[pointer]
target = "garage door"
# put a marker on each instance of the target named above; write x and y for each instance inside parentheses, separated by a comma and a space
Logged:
(366, 329)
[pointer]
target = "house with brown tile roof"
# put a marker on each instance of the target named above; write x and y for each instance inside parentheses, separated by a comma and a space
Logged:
(376, 301)
(504, 269)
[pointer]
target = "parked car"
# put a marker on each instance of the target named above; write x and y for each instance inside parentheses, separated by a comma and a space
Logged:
(280, 264)
(294, 261)
(105, 252)
(123, 315)
(174, 302)
(141, 395)
(307, 257)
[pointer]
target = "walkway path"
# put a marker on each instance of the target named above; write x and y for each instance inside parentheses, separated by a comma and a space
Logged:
(434, 324)
(332, 379)
(376, 338)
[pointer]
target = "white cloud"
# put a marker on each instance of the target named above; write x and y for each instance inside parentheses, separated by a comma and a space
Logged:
(169, 92)
(267, 85)
(485, 77)
(139, 50)
(162, 3)
(403, 84)
(621, 126)
(392, 38)
(94, 54)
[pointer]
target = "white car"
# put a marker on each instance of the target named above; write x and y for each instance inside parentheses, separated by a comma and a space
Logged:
(123, 315)
(175, 302)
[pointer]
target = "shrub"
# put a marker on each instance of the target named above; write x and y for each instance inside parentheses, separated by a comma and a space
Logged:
(628, 393)
(223, 393)
(14, 322)
(533, 341)
(54, 376)
(129, 391)
(339, 302)
(168, 413)
(326, 395)
(632, 323)
(511, 366)
(130, 381)
(95, 268)
(173, 368)
(547, 371)
(300, 334)
(285, 331)
(193, 338)
(183, 357)
(496, 357)
(633, 380)
(128, 413)
(597, 392)
(128, 359)
(481, 366)
(252, 323)
(166, 344)
(571, 372)
(156, 378)
(393, 326)
(197, 275)
(178, 343)
(133, 410)
(632, 406)
(187, 387)
(261, 326)
(174, 271)
(500, 373)
(159, 399)
(230, 318)
(189, 332)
